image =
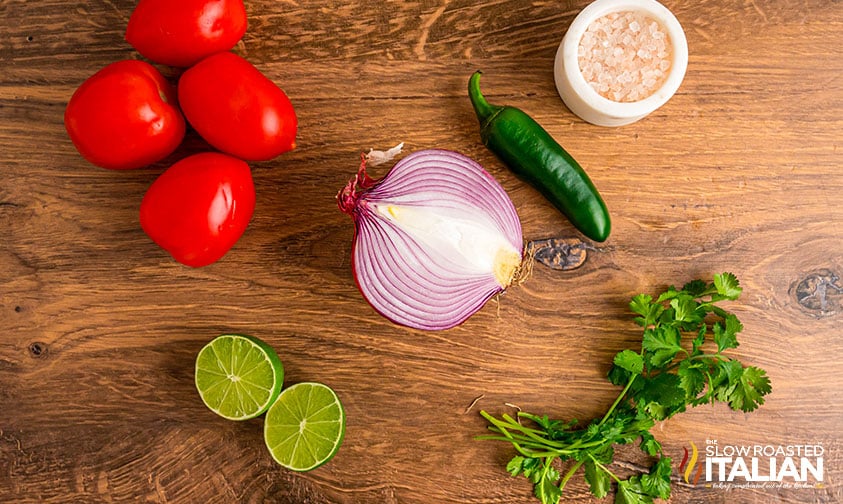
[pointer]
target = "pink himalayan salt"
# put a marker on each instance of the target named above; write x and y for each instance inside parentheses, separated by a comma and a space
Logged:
(625, 56)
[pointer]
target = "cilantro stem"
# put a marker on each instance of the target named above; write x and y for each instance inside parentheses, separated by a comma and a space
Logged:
(546, 463)
(604, 468)
(676, 364)
(528, 434)
(515, 443)
(517, 425)
(527, 448)
(570, 473)
(618, 400)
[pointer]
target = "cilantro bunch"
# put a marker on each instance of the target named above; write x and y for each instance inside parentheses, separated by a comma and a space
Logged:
(681, 364)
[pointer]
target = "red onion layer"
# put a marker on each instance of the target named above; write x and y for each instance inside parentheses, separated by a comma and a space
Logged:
(434, 239)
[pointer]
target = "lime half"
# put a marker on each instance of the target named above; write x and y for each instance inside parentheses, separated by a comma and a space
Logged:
(238, 376)
(305, 426)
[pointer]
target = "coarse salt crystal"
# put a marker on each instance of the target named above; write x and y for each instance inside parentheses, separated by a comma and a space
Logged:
(620, 57)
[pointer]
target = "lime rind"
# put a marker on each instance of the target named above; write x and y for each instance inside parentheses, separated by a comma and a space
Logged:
(305, 426)
(238, 376)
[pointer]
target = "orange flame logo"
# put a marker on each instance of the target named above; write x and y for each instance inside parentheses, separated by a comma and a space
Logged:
(686, 467)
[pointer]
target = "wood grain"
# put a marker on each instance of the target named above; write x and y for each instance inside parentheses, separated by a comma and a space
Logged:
(740, 171)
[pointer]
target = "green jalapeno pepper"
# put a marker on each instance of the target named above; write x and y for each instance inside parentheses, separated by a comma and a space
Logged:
(533, 155)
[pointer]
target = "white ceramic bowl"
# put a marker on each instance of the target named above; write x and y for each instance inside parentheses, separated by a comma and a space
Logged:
(587, 103)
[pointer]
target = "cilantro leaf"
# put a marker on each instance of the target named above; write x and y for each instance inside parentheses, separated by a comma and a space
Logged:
(723, 338)
(640, 304)
(599, 481)
(663, 396)
(545, 488)
(542, 476)
(733, 370)
(724, 378)
(618, 375)
(551, 426)
(534, 469)
(691, 378)
(663, 344)
(685, 310)
(530, 467)
(630, 361)
(516, 465)
(733, 325)
(727, 285)
(527, 466)
(695, 288)
(750, 389)
(699, 341)
(604, 456)
(649, 444)
(726, 332)
(615, 429)
(669, 294)
(643, 305)
(654, 410)
(630, 492)
(657, 482)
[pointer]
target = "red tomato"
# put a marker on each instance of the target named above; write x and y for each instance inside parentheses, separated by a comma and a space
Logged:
(181, 32)
(237, 109)
(124, 116)
(199, 207)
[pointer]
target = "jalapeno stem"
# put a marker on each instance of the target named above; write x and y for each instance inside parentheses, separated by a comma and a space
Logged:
(485, 111)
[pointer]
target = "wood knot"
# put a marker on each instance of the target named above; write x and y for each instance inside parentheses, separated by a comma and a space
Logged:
(559, 253)
(819, 293)
(38, 349)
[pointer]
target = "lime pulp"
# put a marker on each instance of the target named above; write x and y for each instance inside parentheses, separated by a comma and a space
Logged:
(305, 426)
(238, 376)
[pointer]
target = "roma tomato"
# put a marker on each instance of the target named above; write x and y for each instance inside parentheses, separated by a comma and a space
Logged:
(237, 109)
(199, 207)
(181, 32)
(124, 116)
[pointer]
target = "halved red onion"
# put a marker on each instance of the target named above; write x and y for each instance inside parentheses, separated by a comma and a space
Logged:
(434, 239)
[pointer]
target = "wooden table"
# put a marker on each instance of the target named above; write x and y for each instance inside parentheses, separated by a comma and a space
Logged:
(740, 172)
